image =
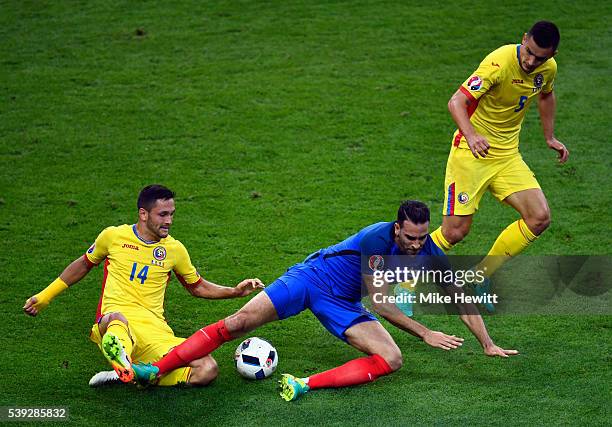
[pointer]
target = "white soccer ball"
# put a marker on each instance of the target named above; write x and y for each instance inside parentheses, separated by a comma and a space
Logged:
(256, 358)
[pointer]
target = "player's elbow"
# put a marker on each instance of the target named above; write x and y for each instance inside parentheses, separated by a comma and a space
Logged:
(382, 310)
(454, 103)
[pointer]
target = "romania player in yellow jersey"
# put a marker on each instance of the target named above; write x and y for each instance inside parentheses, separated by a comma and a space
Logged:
(489, 109)
(138, 262)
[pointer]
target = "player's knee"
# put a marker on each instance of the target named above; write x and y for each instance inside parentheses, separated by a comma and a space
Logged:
(116, 315)
(538, 221)
(394, 359)
(239, 323)
(109, 317)
(203, 371)
(456, 233)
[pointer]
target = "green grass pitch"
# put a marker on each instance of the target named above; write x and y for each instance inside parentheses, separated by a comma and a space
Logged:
(284, 127)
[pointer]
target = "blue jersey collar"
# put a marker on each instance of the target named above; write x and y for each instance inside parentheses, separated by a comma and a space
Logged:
(148, 242)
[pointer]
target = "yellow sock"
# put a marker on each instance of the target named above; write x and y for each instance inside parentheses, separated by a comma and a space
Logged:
(179, 376)
(121, 330)
(511, 242)
(440, 241)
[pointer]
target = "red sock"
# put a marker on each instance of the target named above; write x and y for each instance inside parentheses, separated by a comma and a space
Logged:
(358, 371)
(200, 344)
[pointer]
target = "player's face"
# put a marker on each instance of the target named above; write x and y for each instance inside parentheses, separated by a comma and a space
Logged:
(159, 218)
(410, 237)
(532, 55)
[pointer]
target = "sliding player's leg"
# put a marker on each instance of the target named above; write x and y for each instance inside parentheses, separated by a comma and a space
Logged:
(384, 357)
(256, 312)
(113, 336)
(352, 323)
(155, 339)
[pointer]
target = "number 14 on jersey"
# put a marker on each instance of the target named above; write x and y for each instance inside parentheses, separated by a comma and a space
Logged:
(142, 274)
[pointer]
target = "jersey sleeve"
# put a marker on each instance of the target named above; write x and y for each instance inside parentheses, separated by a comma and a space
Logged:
(549, 84)
(99, 250)
(373, 248)
(184, 270)
(487, 75)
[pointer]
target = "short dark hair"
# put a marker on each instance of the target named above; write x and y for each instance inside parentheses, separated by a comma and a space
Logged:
(545, 34)
(415, 211)
(151, 193)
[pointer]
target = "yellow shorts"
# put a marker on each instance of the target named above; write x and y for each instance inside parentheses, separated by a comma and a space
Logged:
(467, 179)
(153, 339)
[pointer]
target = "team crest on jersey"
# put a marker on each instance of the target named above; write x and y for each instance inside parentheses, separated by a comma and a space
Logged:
(91, 249)
(376, 262)
(463, 197)
(538, 81)
(474, 83)
(159, 253)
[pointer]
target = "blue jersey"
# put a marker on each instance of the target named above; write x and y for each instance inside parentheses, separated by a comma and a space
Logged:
(341, 264)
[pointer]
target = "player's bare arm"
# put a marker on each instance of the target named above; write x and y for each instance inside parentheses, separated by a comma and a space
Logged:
(398, 319)
(71, 275)
(547, 104)
(458, 106)
(473, 320)
(205, 289)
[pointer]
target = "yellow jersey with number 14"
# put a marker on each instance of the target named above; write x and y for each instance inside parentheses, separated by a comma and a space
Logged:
(501, 91)
(136, 271)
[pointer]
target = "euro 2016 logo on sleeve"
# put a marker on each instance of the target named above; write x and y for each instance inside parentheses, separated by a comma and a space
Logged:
(474, 83)
(91, 249)
(159, 253)
(463, 198)
(376, 262)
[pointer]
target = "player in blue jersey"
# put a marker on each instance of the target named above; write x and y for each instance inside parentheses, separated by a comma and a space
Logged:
(329, 283)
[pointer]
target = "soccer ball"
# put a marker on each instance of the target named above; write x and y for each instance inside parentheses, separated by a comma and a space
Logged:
(255, 358)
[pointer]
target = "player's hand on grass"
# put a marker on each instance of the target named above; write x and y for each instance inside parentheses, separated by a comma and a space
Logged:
(248, 286)
(32, 306)
(478, 145)
(441, 340)
(560, 148)
(494, 351)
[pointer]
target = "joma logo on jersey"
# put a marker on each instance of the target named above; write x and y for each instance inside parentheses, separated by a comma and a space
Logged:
(517, 81)
(128, 246)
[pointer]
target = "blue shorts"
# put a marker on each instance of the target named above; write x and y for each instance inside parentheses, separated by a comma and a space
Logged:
(302, 287)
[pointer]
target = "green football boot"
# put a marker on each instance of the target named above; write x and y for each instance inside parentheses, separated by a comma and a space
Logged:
(115, 354)
(145, 373)
(292, 387)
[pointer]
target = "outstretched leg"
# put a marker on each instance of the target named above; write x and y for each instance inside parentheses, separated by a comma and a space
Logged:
(384, 357)
(255, 313)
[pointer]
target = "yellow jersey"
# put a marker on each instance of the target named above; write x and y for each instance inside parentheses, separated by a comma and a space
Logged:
(501, 91)
(136, 271)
